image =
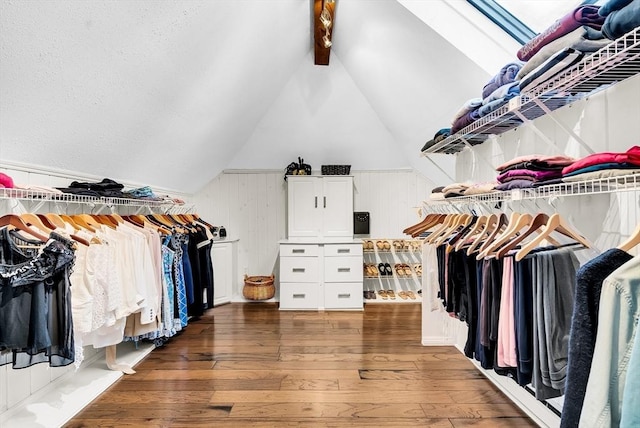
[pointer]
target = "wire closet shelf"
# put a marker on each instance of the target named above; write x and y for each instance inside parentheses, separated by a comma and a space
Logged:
(623, 183)
(617, 61)
(41, 197)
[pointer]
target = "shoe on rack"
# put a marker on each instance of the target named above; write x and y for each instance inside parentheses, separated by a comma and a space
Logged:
(387, 269)
(382, 269)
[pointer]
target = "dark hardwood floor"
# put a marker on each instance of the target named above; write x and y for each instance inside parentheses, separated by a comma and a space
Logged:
(245, 365)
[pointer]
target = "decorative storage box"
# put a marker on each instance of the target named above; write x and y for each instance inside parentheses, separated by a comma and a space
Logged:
(335, 169)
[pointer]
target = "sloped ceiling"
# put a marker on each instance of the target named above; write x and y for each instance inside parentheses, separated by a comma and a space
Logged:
(171, 93)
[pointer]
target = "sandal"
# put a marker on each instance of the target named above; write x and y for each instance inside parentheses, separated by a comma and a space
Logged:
(380, 245)
(383, 294)
(386, 245)
(403, 295)
(381, 269)
(399, 270)
(391, 294)
(407, 270)
(387, 269)
(411, 295)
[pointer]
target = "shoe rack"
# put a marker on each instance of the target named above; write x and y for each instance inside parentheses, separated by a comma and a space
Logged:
(392, 271)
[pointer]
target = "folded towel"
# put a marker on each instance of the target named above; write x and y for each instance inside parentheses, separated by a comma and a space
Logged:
(525, 174)
(631, 156)
(538, 160)
(468, 106)
(612, 5)
(583, 15)
(507, 74)
(551, 67)
(584, 39)
(620, 22)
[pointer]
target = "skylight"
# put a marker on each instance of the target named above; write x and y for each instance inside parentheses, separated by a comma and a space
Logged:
(523, 19)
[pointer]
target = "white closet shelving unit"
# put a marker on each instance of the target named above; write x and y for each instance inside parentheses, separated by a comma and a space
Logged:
(41, 396)
(410, 255)
(614, 63)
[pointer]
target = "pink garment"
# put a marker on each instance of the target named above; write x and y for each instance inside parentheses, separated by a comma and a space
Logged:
(583, 15)
(506, 323)
(558, 160)
(5, 181)
(631, 156)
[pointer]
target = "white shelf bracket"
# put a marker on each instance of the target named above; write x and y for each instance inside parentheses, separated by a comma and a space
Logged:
(569, 131)
(440, 168)
(477, 154)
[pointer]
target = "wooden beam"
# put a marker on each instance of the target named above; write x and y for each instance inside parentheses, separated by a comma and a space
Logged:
(319, 31)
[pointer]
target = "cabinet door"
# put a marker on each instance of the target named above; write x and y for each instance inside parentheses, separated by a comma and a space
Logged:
(304, 199)
(222, 258)
(337, 207)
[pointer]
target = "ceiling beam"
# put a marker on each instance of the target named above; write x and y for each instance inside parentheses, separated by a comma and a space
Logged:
(320, 33)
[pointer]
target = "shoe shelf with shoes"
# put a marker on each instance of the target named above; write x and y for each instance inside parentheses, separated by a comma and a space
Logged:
(392, 270)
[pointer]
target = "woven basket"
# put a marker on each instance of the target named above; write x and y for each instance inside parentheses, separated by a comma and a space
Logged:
(335, 169)
(258, 287)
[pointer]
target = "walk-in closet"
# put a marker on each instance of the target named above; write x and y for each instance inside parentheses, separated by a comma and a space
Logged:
(319, 213)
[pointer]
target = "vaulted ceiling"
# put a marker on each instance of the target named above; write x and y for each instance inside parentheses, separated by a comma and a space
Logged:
(171, 93)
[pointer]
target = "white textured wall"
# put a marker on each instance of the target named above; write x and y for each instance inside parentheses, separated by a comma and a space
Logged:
(252, 206)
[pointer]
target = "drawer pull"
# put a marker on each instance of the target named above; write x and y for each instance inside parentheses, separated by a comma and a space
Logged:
(344, 296)
(299, 296)
(344, 250)
(298, 251)
(344, 269)
(298, 270)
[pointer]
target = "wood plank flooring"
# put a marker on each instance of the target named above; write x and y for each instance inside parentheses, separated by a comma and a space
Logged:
(245, 365)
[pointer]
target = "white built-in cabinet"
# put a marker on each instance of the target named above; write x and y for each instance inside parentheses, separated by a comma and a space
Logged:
(320, 262)
(321, 276)
(320, 207)
(224, 255)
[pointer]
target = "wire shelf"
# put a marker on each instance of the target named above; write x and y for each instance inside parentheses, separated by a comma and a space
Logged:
(623, 183)
(615, 62)
(41, 196)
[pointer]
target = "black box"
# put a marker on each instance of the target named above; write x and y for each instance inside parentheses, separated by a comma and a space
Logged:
(360, 223)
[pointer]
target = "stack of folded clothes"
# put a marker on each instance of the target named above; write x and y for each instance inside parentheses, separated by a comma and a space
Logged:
(499, 97)
(481, 188)
(467, 114)
(561, 45)
(455, 189)
(603, 165)
(106, 188)
(532, 171)
(436, 193)
(145, 193)
(440, 135)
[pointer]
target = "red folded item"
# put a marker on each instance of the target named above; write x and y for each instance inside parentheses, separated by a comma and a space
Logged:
(631, 156)
(583, 15)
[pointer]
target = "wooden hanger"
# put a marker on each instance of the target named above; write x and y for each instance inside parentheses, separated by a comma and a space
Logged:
(17, 222)
(34, 220)
(536, 223)
(477, 227)
(433, 221)
(52, 222)
(409, 230)
(448, 221)
(632, 241)
(521, 220)
(67, 219)
(491, 223)
(81, 222)
(462, 221)
(555, 223)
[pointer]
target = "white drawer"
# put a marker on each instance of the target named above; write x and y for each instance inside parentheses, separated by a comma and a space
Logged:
(346, 295)
(343, 269)
(299, 250)
(299, 269)
(299, 296)
(334, 250)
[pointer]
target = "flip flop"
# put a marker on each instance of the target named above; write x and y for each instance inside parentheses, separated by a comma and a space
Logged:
(382, 269)
(383, 294)
(403, 295)
(391, 294)
(387, 269)
(411, 295)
